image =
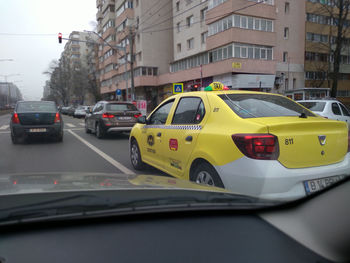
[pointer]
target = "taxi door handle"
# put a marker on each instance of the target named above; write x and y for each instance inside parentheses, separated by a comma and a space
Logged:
(159, 134)
(189, 138)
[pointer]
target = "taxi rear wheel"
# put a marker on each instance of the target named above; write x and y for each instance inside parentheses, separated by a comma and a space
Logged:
(135, 156)
(205, 173)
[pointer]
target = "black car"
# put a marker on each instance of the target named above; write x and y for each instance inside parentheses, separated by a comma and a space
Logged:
(36, 118)
(71, 110)
(111, 117)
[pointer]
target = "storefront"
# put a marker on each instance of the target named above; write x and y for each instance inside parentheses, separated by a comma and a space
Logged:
(253, 82)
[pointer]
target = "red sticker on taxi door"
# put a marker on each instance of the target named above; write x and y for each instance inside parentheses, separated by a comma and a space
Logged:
(173, 145)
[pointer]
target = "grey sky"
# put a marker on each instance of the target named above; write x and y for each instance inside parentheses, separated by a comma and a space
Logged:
(32, 54)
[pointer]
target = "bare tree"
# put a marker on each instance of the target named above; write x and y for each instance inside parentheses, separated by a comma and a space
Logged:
(337, 13)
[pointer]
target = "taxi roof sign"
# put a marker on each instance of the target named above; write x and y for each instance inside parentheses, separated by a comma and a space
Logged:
(178, 88)
(216, 86)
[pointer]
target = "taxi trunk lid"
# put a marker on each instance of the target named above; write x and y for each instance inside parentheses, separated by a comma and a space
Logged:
(308, 142)
(42, 118)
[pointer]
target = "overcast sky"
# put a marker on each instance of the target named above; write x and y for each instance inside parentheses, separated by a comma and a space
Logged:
(32, 54)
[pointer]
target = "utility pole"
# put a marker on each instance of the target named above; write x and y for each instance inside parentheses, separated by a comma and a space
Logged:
(131, 45)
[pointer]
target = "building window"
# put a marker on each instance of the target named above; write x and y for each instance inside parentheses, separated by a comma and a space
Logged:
(190, 43)
(203, 13)
(294, 83)
(188, 2)
(204, 37)
(286, 7)
(178, 27)
(177, 6)
(139, 56)
(179, 48)
(286, 33)
(214, 3)
(138, 38)
(285, 56)
(254, 51)
(286, 83)
(189, 20)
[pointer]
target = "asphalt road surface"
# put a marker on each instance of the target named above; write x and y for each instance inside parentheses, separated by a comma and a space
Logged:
(79, 152)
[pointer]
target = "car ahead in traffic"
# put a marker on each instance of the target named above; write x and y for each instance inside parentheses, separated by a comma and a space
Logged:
(331, 109)
(111, 117)
(80, 112)
(71, 110)
(259, 144)
(36, 119)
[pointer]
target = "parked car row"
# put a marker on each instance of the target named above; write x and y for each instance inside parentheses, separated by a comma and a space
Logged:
(75, 111)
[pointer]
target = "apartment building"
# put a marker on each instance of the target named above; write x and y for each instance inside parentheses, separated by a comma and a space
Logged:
(80, 51)
(320, 32)
(146, 23)
(9, 94)
(289, 55)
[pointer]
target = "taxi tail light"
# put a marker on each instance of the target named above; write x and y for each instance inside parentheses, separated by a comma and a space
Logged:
(15, 118)
(107, 116)
(57, 117)
(137, 115)
(257, 146)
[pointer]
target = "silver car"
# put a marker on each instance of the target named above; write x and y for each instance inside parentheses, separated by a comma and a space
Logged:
(80, 112)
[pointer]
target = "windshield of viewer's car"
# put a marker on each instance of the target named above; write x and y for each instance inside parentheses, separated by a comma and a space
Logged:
(160, 101)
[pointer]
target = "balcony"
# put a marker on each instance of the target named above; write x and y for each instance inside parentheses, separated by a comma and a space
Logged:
(99, 15)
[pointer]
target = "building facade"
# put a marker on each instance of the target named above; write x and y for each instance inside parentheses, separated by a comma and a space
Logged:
(245, 44)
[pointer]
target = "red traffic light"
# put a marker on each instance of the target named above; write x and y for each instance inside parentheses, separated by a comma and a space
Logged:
(60, 38)
(196, 86)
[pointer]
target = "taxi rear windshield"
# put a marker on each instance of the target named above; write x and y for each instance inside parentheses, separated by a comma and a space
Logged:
(263, 105)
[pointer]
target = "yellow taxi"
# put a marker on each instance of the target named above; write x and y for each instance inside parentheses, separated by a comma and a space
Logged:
(253, 143)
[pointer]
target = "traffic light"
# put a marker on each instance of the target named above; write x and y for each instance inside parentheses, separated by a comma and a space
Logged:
(60, 38)
(196, 86)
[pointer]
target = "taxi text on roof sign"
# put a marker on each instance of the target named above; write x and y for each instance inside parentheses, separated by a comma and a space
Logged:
(178, 88)
(216, 86)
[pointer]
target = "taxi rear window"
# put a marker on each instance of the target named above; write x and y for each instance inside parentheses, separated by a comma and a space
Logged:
(263, 105)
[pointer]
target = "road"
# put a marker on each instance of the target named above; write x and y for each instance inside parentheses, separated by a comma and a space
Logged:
(79, 152)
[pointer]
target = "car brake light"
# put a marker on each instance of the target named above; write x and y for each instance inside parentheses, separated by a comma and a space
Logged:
(257, 146)
(15, 118)
(107, 116)
(137, 115)
(57, 117)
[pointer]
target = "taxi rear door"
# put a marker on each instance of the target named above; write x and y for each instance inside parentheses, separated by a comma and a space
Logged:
(181, 133)
(151, 141)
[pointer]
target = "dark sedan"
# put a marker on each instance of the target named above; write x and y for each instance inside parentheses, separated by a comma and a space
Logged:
(36, 119)
(111, 117)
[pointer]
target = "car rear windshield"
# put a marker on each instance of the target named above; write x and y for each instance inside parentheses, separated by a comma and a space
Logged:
(36, 106)
(121, 107)
(263, 105)
(314, 105)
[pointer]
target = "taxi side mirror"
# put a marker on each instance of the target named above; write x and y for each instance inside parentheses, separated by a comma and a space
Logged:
(142, 120)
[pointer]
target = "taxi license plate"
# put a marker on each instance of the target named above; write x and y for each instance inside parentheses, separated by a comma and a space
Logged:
(124, 118)
(38, 130)
(312, 186)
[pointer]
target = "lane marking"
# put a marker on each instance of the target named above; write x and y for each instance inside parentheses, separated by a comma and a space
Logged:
(82, 124)
(4, 127)
(70, 125)
(74, 129)
(103, 155)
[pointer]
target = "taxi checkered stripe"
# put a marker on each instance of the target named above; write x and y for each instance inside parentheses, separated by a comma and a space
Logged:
(175, 127)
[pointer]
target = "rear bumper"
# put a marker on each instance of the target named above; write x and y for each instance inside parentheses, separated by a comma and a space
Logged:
(24, 130)
(119, 129)
(270, 179)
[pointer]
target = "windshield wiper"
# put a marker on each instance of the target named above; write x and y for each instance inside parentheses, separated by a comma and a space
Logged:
(83, 205)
